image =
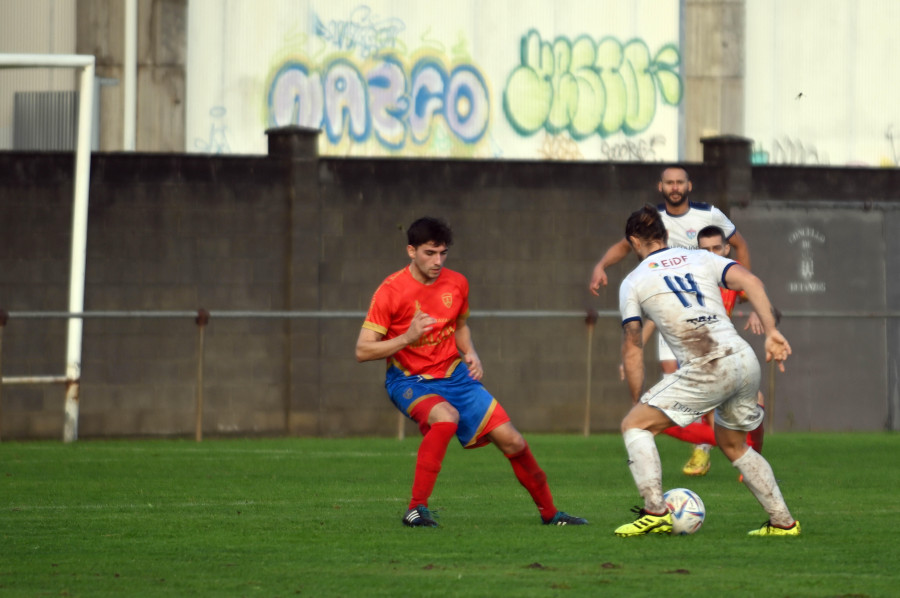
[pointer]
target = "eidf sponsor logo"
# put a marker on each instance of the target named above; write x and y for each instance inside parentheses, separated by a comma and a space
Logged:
(668, 263)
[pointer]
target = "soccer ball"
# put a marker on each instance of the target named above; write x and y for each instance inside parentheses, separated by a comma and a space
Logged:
(687, 510)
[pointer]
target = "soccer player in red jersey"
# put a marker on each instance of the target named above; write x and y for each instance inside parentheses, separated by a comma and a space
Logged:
(417, 322)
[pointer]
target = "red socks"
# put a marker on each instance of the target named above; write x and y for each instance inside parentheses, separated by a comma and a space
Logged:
(755, 438)
(701, 433)
(695, 433)
(431, 456)
(533, 478)
(428, 462)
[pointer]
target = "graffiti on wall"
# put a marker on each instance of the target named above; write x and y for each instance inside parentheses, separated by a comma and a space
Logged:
(381, 98)
(638, 150)
(363, 32)
(788, 151)
(589, 88)
(365, 86)
(366, 91)
(217, 141)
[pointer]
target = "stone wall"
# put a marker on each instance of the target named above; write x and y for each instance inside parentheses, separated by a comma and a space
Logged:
(302, 236)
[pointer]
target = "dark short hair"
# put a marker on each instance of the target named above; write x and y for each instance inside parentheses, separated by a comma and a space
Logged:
(711, 231)
(675, 166)
(428, 229)
(646, 224)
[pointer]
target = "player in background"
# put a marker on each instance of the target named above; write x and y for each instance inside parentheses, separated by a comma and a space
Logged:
(712, 238)
(418, 323)
(679, 291)
(683, 219)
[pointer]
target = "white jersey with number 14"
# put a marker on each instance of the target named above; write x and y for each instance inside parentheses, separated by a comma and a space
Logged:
(678, 290)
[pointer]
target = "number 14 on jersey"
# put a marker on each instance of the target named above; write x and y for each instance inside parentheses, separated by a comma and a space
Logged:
(684, 286)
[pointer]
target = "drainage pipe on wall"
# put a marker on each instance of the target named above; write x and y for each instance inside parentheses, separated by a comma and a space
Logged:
(129, 125)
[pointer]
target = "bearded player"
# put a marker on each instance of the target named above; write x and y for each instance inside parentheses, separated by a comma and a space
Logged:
(682, 218)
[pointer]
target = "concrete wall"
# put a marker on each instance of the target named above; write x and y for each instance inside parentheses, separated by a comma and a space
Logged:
(714, 57)
(161, 69)
(291, 231)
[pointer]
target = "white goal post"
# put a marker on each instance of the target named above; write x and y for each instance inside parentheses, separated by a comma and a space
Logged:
(85, 65)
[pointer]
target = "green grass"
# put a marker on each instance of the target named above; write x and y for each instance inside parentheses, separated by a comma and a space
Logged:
(311, 517)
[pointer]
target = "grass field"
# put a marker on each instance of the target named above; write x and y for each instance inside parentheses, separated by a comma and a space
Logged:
(310, 517)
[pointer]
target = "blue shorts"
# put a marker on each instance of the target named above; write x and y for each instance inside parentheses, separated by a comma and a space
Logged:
(469, 397)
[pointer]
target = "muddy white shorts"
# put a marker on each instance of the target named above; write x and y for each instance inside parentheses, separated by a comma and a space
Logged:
(728, 384)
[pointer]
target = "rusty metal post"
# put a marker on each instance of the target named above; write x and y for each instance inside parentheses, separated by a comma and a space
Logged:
(770, 400)
(4, 317)
(770, 397)
(591, 321)
(202, 320)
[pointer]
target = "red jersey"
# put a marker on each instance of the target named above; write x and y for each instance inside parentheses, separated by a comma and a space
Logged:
(729, 298)
(398, 299)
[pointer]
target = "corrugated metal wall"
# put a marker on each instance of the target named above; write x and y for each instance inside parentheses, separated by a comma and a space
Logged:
(45, 120)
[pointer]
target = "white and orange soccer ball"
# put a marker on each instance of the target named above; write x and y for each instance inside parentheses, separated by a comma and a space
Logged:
(688, 511)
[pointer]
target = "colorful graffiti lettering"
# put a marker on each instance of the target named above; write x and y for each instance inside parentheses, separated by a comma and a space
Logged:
(361, 31)
(589, 88)
(381, 98)
(788, 151)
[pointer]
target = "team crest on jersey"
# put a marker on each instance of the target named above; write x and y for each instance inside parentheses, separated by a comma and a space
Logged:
(691, 234)
(447, 298)
(408, 394)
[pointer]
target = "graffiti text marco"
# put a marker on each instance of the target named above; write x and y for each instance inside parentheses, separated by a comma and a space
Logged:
(381, 98)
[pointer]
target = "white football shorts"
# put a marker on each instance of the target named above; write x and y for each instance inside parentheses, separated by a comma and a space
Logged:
(728, 384)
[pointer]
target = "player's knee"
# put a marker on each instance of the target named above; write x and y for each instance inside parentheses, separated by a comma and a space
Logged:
(443, 412)
(631, 421)
(515, 444)
(509, 440)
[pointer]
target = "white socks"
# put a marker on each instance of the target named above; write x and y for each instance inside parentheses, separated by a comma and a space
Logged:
(760, 479)
(646, 469)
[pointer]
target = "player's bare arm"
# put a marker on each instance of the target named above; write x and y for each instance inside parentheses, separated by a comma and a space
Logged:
(613, 255)
(741, 249)
(646, 332)
(741, 279)
(371, 344)
(633, 358)
(467, 349)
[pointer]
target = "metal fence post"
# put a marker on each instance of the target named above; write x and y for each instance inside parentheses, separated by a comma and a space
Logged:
(3, 319)
(770, 400)
(202, 320)
(591, 321)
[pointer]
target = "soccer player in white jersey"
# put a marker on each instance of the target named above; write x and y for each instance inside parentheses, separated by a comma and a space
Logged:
(683, 219)
(678, 290)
